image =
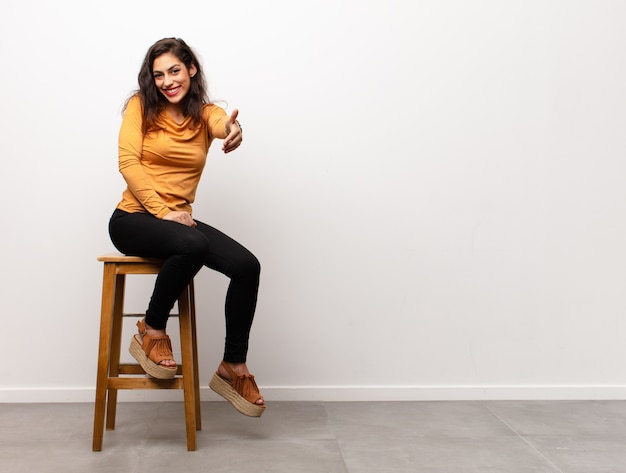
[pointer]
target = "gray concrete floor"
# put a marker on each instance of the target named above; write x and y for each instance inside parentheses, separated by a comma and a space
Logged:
(323, 437)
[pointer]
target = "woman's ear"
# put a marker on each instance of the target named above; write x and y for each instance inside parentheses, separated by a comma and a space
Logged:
(193, 70)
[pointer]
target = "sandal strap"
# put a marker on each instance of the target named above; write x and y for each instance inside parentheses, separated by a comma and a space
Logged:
(141, 326)
(246, 386)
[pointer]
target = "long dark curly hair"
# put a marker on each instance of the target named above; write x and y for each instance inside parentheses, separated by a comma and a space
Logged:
(153, 102)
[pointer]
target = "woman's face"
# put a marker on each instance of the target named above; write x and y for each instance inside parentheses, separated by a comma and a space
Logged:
(172, 77)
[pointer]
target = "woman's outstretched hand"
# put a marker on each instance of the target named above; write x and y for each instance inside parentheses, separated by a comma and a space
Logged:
(233, 130)
(181, 217)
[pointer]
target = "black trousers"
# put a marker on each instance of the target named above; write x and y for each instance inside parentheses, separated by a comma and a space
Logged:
(185, 250)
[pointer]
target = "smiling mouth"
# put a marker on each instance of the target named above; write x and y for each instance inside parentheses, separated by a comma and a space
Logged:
(171, 92)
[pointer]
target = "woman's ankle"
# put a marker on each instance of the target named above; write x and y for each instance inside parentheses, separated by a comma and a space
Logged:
(155, 331)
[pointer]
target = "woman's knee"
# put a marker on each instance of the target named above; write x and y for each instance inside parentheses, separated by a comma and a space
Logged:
(248, 266)
(255, 265)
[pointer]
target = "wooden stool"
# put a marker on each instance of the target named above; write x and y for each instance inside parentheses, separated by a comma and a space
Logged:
(116, 267)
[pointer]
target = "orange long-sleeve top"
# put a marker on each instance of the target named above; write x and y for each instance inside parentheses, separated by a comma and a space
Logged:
(163, 168)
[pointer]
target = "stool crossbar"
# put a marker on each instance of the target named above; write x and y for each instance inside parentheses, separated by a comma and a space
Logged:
(113, 375)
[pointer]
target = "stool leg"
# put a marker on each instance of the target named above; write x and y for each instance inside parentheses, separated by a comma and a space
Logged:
(194, 341)
(104, 350)
(184, 317)
(116, 347)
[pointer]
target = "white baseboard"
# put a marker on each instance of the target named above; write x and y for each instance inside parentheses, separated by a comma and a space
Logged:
(338, 393)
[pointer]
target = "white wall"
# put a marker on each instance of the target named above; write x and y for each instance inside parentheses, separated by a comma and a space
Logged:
(435, 190)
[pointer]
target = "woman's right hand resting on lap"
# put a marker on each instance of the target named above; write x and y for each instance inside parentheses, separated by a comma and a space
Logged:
(181, 217)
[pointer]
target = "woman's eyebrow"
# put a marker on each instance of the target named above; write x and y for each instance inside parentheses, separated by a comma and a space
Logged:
(172, 67)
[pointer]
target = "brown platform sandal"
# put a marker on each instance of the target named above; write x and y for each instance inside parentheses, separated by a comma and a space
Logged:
(242, 392)
(153, 351)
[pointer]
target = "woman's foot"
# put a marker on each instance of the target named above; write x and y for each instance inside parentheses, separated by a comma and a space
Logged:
(153, 351)
(154, 333)
(234, 383)
(241, 369)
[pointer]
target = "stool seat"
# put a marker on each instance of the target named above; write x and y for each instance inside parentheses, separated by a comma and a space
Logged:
(109, 381)
(120, 258)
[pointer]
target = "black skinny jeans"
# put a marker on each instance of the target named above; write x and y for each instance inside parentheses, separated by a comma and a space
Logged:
(185, 250)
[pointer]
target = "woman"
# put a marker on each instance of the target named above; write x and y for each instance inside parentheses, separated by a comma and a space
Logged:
(164, 139)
